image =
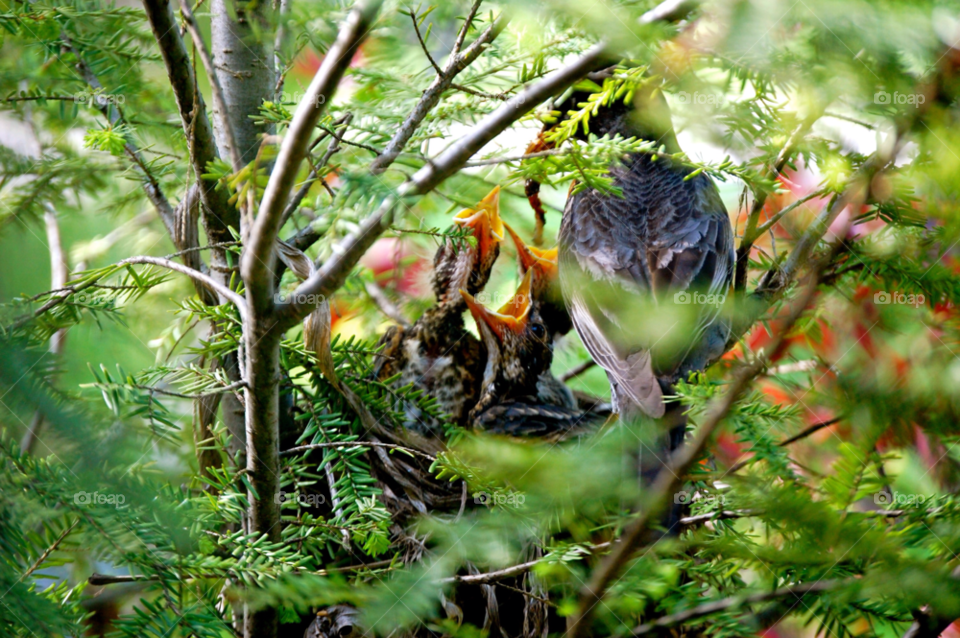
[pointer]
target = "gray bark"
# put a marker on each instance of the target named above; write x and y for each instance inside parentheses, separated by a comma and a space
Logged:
(244, 66)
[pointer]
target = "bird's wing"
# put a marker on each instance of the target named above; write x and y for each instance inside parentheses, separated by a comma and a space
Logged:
(600, 264)
(666, 234)
(693, 250)
(691, 246)
(630, 370)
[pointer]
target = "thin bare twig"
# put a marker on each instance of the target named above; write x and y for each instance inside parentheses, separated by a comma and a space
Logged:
(576, 371)
(107, 579)
(305, 188)
(816, 427)
(384, 305)
(515, 158)
(431, 97)
(786, 210)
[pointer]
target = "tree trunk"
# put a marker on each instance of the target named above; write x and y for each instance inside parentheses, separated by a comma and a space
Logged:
(243, 63)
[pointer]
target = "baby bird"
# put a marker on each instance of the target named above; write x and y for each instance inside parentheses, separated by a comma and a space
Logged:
(339, 621)
(437, 354)
(519, 351)
(545, 285)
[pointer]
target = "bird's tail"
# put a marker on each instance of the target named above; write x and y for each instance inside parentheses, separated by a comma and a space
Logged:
(655, 453)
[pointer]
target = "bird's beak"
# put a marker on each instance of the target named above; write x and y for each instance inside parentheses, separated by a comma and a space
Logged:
(484, 221)
(545, 261)
(512, 316)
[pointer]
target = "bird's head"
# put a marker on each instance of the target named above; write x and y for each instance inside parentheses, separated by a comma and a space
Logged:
(338, 621)
(542, 263)
(646, 117)
(485, 222)
(545, 283)
(462, 265)
(518, 344)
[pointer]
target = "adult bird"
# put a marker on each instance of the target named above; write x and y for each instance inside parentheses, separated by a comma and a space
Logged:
(519, 351)
(627, 261)
(437, 354)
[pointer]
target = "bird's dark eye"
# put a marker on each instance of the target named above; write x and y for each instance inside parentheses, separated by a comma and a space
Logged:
(538, 330)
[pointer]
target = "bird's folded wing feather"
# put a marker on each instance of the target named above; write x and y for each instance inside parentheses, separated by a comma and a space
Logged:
(600, 267)
(663, 236)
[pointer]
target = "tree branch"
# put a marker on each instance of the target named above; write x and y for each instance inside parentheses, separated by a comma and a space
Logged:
(355, 444)
(750, 232)
(384, 304)
(577, 370)
(816, 427)
(333, 148)
(770, 223)
(59, 271)
(196, 275)
(669, 11)
(219, 103)
(219, 214)
(150, 186)
(334, 271)
(257, 262)
(515, 158)
(46, 553)
(431, 97)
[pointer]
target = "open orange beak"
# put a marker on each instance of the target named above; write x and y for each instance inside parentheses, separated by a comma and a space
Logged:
(544, 261)
(484, 221)
(513, 315)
